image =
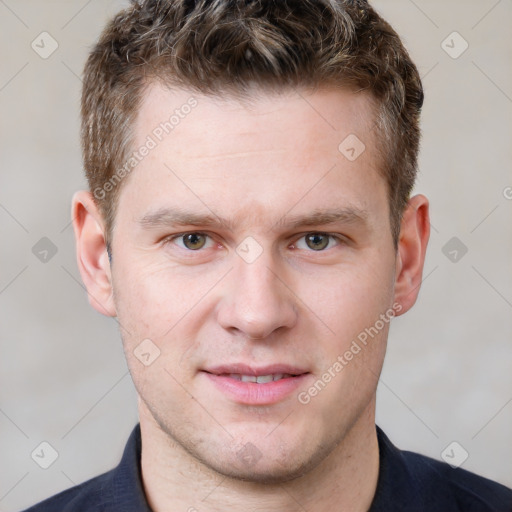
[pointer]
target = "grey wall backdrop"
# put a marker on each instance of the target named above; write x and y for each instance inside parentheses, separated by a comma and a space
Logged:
(448, 374)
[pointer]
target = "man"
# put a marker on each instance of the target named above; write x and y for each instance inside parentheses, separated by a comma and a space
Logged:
(249, 223)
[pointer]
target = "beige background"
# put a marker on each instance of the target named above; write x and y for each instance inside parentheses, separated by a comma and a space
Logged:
(448, 374)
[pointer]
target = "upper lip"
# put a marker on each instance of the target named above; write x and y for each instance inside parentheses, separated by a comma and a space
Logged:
(245, 369)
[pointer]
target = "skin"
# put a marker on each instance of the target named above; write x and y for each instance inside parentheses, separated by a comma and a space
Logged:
(257, 166)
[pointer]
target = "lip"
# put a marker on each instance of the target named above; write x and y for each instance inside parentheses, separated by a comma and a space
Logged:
(251, 393)
(245, 369)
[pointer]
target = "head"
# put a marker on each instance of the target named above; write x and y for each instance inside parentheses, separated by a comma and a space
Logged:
(231, 48)
(250, 167)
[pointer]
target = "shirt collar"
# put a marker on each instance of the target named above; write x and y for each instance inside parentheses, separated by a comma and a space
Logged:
(127, 488)
(396, 484)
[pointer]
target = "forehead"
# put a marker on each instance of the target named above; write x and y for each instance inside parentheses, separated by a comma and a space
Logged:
(307, 114)
(268, 149)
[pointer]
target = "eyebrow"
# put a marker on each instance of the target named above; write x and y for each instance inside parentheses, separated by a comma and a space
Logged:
(348, 215)
(165, 217)
(178, 217)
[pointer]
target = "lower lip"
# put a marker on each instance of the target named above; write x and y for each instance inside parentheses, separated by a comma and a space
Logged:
(251, 393)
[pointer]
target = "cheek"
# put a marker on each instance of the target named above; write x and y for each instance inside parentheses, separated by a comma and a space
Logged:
(352, 354)
(143, 301)
(350, 299)
(149, 308)
(152, 300)
(138, 283)
(365, 295)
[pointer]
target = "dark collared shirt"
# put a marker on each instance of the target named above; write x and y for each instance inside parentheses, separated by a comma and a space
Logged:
(407, 482)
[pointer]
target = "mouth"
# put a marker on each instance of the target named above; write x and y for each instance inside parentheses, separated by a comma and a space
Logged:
(249, 371)
(258, 379)
(252, 386)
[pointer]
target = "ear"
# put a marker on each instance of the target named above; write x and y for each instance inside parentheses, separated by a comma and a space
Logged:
(91, 253)
(412, 246)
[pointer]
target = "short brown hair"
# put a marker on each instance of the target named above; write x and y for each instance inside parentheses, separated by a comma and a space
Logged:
(229, 46)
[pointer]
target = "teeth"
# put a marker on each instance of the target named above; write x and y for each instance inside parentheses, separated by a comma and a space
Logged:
(260, 379)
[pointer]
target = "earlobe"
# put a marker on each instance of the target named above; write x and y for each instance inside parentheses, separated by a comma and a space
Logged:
(412, 246)
(91, 252)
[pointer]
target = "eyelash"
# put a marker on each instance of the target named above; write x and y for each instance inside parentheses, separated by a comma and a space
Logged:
(339, 240)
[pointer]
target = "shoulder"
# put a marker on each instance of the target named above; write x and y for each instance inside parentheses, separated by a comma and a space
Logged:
(471, 492)
(413, 482)
(90, 495)
(118, 489)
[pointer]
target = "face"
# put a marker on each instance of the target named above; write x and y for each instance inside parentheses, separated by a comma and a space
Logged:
(246, 237)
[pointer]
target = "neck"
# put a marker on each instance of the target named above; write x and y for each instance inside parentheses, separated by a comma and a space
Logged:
(344, 480)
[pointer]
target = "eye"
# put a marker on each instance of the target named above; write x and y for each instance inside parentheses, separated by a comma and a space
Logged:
(193, 241)
(316, 241)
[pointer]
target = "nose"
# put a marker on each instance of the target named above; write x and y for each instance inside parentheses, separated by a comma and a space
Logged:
(257, 302)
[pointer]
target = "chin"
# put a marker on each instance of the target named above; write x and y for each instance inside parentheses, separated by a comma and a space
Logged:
(249, 453)
(273, 472)
(270, 464)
